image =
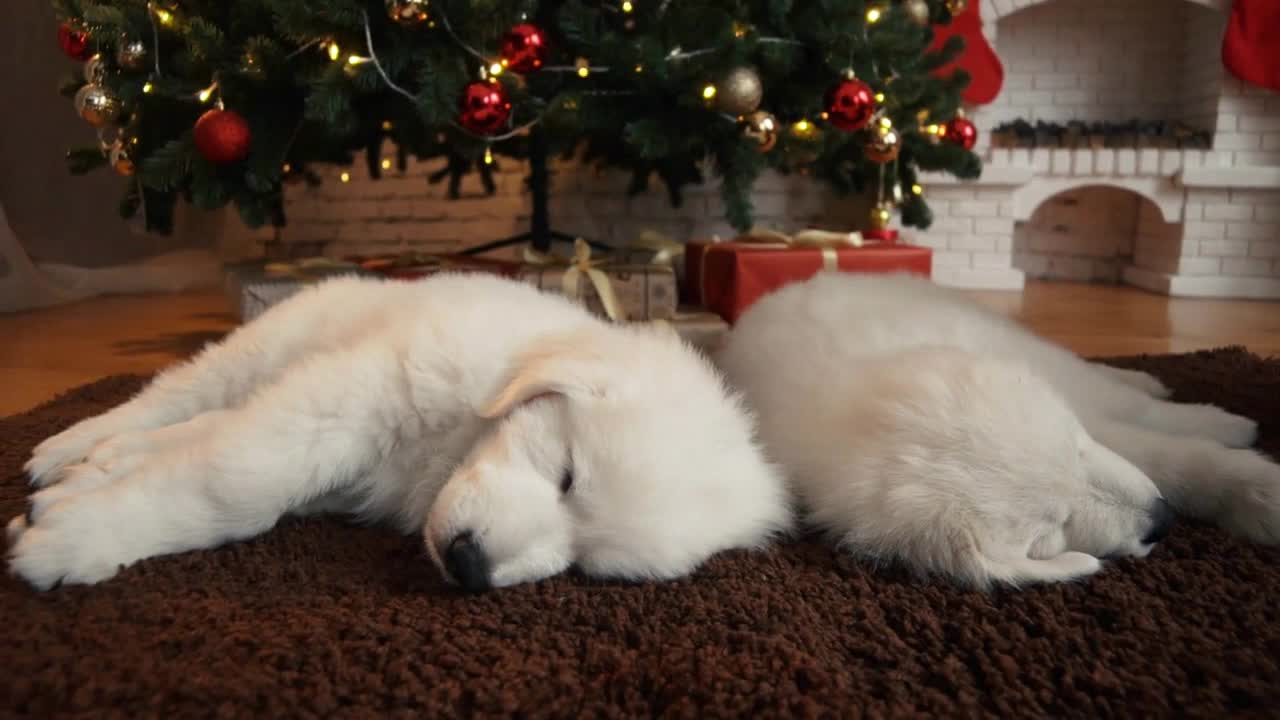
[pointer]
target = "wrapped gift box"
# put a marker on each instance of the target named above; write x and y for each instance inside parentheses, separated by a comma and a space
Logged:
(702, 329)
(254, 287)
(728, 277)
(643, 291)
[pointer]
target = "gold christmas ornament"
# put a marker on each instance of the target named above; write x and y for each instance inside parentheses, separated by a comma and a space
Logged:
(955, 7)
(408, 12)
(885, 144)
(763, 128)
(740, 91)
(121, 158)
(97, 105)
(131, 54)
(95, 69)
(881, 216)
(917, 10)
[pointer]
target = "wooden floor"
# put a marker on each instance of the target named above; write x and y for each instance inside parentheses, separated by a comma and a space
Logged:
(46, 352)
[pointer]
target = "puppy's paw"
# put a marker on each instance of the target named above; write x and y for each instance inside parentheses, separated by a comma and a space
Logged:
(1251, 502)
(75, 541)
(53, 456)
(76, 480)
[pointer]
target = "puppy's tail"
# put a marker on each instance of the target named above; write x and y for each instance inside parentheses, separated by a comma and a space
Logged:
(1026, 571)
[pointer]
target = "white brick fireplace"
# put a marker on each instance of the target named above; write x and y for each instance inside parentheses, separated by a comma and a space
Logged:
(1200, 222)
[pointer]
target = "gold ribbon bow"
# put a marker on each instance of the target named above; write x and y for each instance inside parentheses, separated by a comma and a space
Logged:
(576, 267)
(827, 241)
(665, 250)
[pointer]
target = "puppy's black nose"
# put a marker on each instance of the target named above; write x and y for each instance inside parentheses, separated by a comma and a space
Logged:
(1161, 522)
(465, 560)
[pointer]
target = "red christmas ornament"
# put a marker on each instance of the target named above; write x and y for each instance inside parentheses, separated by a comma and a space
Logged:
(524, 48)
(75, 43)
(961, 131)
(222, 137)
(850, 104)
(485, 108)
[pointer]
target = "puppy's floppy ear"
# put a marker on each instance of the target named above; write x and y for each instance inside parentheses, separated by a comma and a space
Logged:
(562, 366)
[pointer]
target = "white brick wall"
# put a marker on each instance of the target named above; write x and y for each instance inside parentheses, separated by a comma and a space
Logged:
(1101, 60)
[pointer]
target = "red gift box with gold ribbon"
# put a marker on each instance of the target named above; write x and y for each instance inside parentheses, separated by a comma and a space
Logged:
(727, 277)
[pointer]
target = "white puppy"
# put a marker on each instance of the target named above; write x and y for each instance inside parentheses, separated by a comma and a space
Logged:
(513, 429)
(919, 427)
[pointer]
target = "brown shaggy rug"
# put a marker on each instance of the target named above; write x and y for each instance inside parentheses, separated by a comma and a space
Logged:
(320, 619)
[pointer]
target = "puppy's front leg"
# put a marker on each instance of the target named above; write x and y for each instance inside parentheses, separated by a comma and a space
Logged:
(318, 430)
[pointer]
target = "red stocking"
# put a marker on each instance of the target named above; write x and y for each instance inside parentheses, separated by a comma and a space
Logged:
(1251, 48)
(978, 58)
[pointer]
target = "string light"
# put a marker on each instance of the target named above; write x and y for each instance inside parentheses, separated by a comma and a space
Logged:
(917, 190)
(874, 15)
(387, 126)
(584, 67)
(335, 51)
(496, 69)
(886, 122)
(287, 168)
(627, 6)
(357, 60)
(164, 16)
(639, 68)
(207, 93)
(488, 156)
(709, 92)
(148, 87)
(879, 97)
(386, 164)
(345, 177)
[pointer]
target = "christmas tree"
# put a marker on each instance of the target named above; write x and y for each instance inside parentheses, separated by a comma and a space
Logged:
(220, 102)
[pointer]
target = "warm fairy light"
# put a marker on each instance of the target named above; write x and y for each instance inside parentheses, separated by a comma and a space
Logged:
(287, 168)
(386, 164)
(386, 125)
(935, 129)
(639, 68)
(917, 190)
(584, 68)
(739, 30)
(627, 6)
(207, 93)
(874, 15)
(879, 97)
(802, 126)
(345, 177)
(496, 69)
(335, 52)
(148, 87)
(357, 60)
(886, 122)
(709, 92)
(164, 16)
(488, 156)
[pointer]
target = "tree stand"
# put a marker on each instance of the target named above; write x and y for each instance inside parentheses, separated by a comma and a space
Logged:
(540, 235)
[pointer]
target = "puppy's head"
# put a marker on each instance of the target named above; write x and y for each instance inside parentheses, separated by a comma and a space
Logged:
(616, 450)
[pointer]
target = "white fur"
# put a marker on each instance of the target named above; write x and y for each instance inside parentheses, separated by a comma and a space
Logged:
(440, 406)
(919, 427)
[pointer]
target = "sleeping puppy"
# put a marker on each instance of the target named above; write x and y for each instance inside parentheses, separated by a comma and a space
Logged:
(919, 428)
(515, 431)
